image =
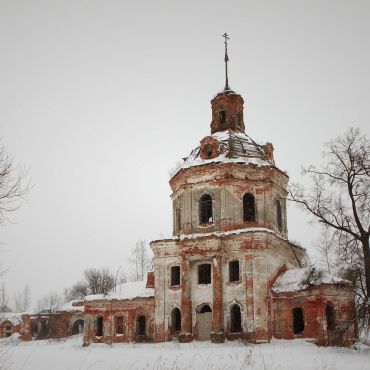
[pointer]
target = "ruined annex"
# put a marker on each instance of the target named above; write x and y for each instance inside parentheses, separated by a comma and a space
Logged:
(229, 271)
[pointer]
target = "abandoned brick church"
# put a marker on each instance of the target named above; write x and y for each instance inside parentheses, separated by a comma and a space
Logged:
(229, 271)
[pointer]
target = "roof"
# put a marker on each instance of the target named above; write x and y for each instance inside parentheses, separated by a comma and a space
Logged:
(72, 306)
(300, 279)
(129, 290)
(234, 147)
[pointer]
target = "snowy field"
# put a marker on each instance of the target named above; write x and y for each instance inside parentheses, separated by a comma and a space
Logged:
(283, 355)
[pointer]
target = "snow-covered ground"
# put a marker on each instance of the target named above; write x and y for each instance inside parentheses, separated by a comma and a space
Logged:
(283, 355)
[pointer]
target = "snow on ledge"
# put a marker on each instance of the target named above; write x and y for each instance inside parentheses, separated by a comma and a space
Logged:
(129, 290)
(300, 279)
(226, 233)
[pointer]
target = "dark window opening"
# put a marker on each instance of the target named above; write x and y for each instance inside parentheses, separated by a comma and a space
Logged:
(119, 325)
(205, 309)
(99, 326)
(249, 210)
(222, 116)
(141, 325)
(235, 319)
(175, 275)
(204, 274)
(330, 317)
(298, 320)
(234, 271)
(209, 150)
(8, 330)
(205, 209)
(176, 320)
(278, 215)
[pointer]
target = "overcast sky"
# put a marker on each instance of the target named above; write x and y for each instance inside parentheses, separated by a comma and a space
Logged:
(99, 99)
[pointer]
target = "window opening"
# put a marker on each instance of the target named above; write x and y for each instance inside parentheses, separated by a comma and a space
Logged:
(205, 209)
(234, 271)
(8, 330)
(278, 215)
(141, 325)
(209, 150)
(204, 274)
(205, 309)
(235, 319)
(249, 208)
(99, 326)
(175, 275)
(298, 320)
(119, 325)
(222, 116)
(330, 317)
(176, 320)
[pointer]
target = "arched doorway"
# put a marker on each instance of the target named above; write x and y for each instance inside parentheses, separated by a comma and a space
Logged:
(176, 320)
(78, 327)
(204, 322)
(235, 319)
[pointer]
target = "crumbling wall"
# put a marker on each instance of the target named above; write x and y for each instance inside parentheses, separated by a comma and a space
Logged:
(109, 310)
(313, 302)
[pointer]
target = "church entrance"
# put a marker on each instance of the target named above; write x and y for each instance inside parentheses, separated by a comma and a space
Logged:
(204, 322)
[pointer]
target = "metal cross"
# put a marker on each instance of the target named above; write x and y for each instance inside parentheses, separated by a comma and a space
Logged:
(226, 37)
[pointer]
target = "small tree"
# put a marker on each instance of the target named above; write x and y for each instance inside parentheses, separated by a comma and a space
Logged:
(22, 300)
(339, 199)
(99, 281)
(140, 260)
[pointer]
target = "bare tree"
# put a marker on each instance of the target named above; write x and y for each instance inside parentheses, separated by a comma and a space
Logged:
(140, 259)
(99, 281)
(49, 303)
(22, 300)
(78, 291)
(13, 185)
(4, 300)
(339, 199)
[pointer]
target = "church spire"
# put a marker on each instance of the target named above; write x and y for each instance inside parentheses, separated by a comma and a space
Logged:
(226, 37)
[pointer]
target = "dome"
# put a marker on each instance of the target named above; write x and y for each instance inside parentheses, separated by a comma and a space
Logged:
(230, 146)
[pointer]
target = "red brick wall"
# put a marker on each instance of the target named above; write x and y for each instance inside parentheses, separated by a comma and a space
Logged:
(108, 310)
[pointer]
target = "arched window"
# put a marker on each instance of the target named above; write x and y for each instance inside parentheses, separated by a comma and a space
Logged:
(249, 210)
(235, 319)
(7, 330)
(99, 326)
(205, 209)
(119, 325)
(176, 320)
(298, 320)
(279, 215)
(141, 325)
(330, 317)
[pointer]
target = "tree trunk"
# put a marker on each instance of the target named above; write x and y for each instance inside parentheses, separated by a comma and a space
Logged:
(366, 250)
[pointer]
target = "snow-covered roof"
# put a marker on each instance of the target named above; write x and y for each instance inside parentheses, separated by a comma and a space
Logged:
(129, 290)
(72, 306)
(234, 147)
(300, 279)
(13, 317)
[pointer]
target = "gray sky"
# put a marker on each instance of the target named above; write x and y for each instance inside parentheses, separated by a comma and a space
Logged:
(101, 98)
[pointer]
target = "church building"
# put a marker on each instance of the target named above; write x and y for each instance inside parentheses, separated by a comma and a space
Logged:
(229, 271)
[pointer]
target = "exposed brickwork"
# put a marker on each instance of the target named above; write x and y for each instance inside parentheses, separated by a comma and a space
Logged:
(109, 310)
